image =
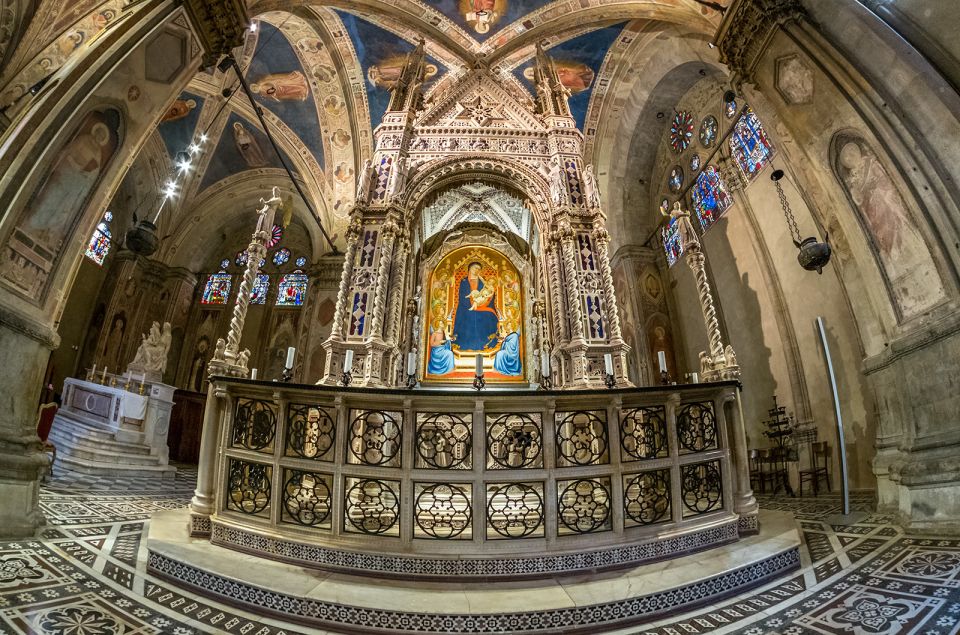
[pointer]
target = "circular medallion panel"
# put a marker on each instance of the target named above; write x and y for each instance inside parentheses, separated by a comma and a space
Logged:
(708, 131)
(681, 131)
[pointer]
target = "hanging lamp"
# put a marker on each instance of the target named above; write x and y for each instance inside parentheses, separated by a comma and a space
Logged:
(814, 255)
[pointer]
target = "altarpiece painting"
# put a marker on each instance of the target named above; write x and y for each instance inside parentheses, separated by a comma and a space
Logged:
(475, 307)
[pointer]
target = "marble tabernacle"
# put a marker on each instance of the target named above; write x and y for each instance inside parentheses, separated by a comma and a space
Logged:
(109, 430)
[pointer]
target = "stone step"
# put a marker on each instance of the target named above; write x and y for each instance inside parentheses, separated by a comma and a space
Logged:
(92, 427)
(105, 456)
(99, 468)
(77, 437)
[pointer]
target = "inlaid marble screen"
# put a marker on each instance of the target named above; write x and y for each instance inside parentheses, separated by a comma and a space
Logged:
(475, 307)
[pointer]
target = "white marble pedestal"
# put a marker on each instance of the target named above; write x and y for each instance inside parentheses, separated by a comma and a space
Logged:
(107, 430)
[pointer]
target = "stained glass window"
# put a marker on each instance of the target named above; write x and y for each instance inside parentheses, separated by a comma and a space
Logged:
(241, 259)
(710, 197)
(681, 131)
(281, 257)
(261, 286)
(99, 245)
(749, 144)
(275, 236)
(671, 242)
(694, 163)
(263, 261)
(301, 261)
(708, 131)
(730, 108)
(676, 178)
(224, 263)
(293, 288)
(217, 290)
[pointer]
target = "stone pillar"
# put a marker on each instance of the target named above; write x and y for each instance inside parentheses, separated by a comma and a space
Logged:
(388, 238)
(568, 252)
(744, 502)
(21, 460)
(619, 349)
(204, 496)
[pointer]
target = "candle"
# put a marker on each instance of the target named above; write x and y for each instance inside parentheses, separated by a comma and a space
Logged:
(411, 363)
(695, 378)
(253, 374)
(93, 373)
(348, 361)
(291, 352)
(479, 365)
(103, 377)
(608, 363)
(545, 364)
(662, 358)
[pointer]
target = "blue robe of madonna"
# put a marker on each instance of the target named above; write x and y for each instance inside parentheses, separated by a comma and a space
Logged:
(472, 329)
(507, 359)
(441, 359)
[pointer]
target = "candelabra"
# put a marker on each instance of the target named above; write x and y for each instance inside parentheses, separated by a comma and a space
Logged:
(346, 377)
(411, 380)
(479, 382)
(609, 380)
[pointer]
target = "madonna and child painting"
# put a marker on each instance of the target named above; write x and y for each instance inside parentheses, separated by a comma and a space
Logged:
(474, 308)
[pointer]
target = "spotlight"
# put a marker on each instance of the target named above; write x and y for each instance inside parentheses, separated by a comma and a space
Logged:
(660, 115)
(225, 64)
(226, 92)
(203, 138)
(729, 96)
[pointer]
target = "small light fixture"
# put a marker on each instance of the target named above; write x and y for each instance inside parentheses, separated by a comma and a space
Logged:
(729, 96)
(814, 255)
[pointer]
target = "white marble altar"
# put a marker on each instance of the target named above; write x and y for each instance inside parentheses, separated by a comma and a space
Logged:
(103, 429)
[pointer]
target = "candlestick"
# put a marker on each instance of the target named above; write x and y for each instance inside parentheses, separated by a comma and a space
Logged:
(662, 358)
(348, 361)
(291, 353)
(253, 374)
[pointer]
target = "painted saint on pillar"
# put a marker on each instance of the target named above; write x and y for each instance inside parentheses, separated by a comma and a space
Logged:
(474, 308)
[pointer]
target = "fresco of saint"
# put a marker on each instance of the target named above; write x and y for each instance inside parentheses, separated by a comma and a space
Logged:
(291, 86)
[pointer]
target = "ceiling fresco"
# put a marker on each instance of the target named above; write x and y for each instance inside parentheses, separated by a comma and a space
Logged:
(178, 125)
(381, 55)
(483, 18)
(242, 146)
(279, 83)
(578, 62)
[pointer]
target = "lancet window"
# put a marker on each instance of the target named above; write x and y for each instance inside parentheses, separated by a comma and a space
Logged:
(99, 245)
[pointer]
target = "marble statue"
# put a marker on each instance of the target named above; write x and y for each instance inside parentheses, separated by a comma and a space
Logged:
(398, 177)
(220, 350)
(591, 190)
(557, 186)
(688, 235)
(364, 181)
(151, 357)
(263, 222)
(243, 357)
(730, 356)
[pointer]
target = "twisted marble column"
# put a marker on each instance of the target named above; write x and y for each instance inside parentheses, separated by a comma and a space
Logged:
(602, 239)
(555, 284)
(568, 250)
(696, 261)
(393, 326)
(388, 238)
(353, 235)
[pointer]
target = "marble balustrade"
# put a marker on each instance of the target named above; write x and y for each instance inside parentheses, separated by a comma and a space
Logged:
(491, 483)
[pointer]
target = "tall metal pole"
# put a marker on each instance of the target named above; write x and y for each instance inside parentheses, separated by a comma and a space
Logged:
(841, 444)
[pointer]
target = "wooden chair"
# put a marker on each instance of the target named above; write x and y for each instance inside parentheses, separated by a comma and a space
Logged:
(819, 459)
(769, 469)
(44, 424)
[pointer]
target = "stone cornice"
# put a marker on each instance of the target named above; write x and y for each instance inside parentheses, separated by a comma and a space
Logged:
(18, 323)
(220, 24)
(747, 28)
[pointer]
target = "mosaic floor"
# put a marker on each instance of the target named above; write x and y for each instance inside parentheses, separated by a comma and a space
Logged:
(85, 576)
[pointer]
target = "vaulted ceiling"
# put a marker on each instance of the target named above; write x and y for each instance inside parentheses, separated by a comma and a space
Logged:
(321, 72)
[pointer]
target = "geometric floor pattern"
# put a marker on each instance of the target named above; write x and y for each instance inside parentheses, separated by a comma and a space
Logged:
(84, 575)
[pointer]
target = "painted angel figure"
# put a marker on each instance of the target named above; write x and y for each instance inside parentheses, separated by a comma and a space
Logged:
(688, 235)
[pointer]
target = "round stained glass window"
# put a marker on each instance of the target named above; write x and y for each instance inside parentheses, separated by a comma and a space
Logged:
(263, 261)
(676, 178)
(681, 131)
(695, 163)
(275, 236)
(108, 216)
(664, 206)
(224, 263)
(281, 257)
(730, 108)
(301, 261)
(708, 131)
(241, 258)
